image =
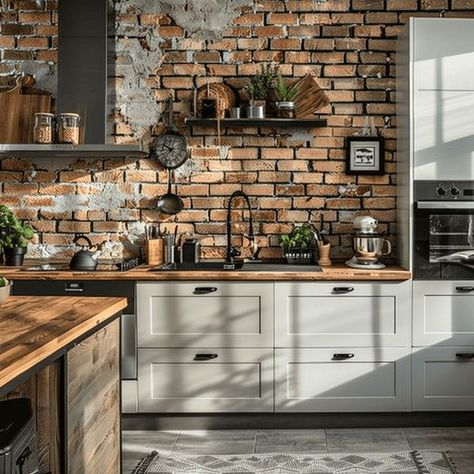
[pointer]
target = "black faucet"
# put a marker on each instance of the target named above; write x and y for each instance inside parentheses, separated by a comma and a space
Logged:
(232, 252)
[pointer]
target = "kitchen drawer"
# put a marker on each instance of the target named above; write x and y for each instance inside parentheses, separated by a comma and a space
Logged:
(342, 314)
(313, 380)
(205, 314)
(443, 378)
(233, 380)
(443, 313)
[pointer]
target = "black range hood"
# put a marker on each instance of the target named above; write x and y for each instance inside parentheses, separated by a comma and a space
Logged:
(84, 60)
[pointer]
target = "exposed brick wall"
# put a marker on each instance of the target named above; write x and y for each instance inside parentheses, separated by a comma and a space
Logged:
(291, 177)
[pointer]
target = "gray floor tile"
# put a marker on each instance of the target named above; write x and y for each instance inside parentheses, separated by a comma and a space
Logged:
(463, 461)
(215, 442)
(291, 441)
(366, 440)
(137, 444)
(441, 439)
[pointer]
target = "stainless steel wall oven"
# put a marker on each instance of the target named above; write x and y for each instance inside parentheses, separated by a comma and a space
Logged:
(444, 230)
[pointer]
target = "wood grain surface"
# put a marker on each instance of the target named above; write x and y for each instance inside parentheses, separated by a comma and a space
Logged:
(34, 328)
(93, 400)
(143, 273)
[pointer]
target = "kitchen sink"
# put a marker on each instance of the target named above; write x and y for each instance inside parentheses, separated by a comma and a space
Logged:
(237, 266)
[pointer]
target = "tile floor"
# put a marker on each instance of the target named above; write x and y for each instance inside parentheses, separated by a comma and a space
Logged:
(459, 441)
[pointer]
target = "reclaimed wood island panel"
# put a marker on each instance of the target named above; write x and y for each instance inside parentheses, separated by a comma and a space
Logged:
(64, 354)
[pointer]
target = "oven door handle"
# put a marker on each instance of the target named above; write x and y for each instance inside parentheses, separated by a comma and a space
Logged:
(445, 205)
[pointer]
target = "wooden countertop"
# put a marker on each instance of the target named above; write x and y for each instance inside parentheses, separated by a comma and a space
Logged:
(141, 273)
(33, 328)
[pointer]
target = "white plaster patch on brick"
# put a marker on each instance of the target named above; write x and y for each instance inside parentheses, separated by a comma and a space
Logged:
(45, 75)
(187, 170)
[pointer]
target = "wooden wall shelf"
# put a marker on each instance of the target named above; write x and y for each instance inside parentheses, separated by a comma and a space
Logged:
(265, 122)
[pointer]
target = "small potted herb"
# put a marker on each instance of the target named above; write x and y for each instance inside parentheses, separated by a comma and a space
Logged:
(286, 95)
(5, 288)
(14, 237)
(258, 90)
(298, 246)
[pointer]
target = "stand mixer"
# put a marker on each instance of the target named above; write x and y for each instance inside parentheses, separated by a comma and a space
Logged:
(368, 245)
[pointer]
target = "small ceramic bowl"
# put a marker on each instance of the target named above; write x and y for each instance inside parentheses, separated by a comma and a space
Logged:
(5, 292)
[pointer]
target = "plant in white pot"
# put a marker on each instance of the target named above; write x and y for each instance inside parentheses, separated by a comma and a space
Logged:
(286, 95)
(14, 237)
(5, 288)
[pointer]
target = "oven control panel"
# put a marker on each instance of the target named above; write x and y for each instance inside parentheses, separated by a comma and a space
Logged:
(444, 190)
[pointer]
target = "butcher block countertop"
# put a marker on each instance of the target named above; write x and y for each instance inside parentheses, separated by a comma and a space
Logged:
(143, 273)
(34, 328)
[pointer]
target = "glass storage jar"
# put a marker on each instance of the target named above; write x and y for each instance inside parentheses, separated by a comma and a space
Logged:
(43, 131)
(68, 128)
(286, 110)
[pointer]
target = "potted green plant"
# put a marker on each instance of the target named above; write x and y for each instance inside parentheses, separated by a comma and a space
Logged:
(14, 237)
(5, 288)
(299, 245)
(258, 89)
(286, 95)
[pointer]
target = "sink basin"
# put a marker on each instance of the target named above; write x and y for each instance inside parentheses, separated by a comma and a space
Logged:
(237, 266)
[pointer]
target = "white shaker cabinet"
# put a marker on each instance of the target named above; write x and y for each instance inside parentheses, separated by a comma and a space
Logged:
(205, 380)
(205, 314)
(443, 378)
(342, 380)
(443, 313)
(336, 314)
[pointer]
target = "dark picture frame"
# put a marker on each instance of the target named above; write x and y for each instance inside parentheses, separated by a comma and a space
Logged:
(365, 156)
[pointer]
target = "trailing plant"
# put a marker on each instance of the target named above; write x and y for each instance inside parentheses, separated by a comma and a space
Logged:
(301, 237)
(283, 91)
(262, 83)
(3, 282)
(14, 233)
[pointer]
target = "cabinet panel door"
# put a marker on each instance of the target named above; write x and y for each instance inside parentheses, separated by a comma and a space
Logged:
(443, 313)
(233, 380)
(444, 54)
(309, 380)
(205, 314)
(443, 136)
(320, 315)
(443, 378)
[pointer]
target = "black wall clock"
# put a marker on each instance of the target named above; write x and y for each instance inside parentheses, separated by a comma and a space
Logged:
(170, 149)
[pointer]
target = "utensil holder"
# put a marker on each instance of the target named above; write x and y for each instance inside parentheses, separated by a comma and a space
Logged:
(324, 250)
(155, 252)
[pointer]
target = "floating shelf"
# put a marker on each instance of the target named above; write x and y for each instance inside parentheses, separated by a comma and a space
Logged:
(251, 122)
(61, 150)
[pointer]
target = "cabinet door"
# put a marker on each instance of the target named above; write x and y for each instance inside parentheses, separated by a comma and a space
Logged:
(205, 380)
(342, 314)
(342, 379)
(208, 314)
(443, 135)
(443, 313)
(443, 378)
(93, 403)
(443, 54)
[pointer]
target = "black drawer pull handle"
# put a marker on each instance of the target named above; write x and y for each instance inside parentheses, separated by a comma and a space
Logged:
(204, 290)
(342, 356)
(340, 290)
(200, 357)
(465, 355)
(465, 289)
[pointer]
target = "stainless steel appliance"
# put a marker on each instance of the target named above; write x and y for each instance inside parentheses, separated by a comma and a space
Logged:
(369, 247)
(444, 230)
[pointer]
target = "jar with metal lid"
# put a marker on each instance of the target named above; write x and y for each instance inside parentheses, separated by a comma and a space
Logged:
(286, 110)
(68, 128)
(43, 131)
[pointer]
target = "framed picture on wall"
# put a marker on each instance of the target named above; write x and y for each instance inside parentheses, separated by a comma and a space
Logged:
(365, 155)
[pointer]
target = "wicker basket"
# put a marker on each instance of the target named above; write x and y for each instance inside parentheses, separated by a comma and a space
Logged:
(223, 94)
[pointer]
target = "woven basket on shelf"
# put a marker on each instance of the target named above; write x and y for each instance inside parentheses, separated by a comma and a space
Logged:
(223, 95)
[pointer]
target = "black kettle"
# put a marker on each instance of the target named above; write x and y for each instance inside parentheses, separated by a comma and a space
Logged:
(85, 259)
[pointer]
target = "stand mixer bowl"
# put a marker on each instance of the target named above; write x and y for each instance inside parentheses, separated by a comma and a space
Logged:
(368, 249)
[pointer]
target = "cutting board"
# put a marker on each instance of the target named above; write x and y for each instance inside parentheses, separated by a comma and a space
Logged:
(18, 109)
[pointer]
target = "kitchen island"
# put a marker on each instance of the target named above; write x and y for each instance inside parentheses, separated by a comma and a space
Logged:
(64, 354)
